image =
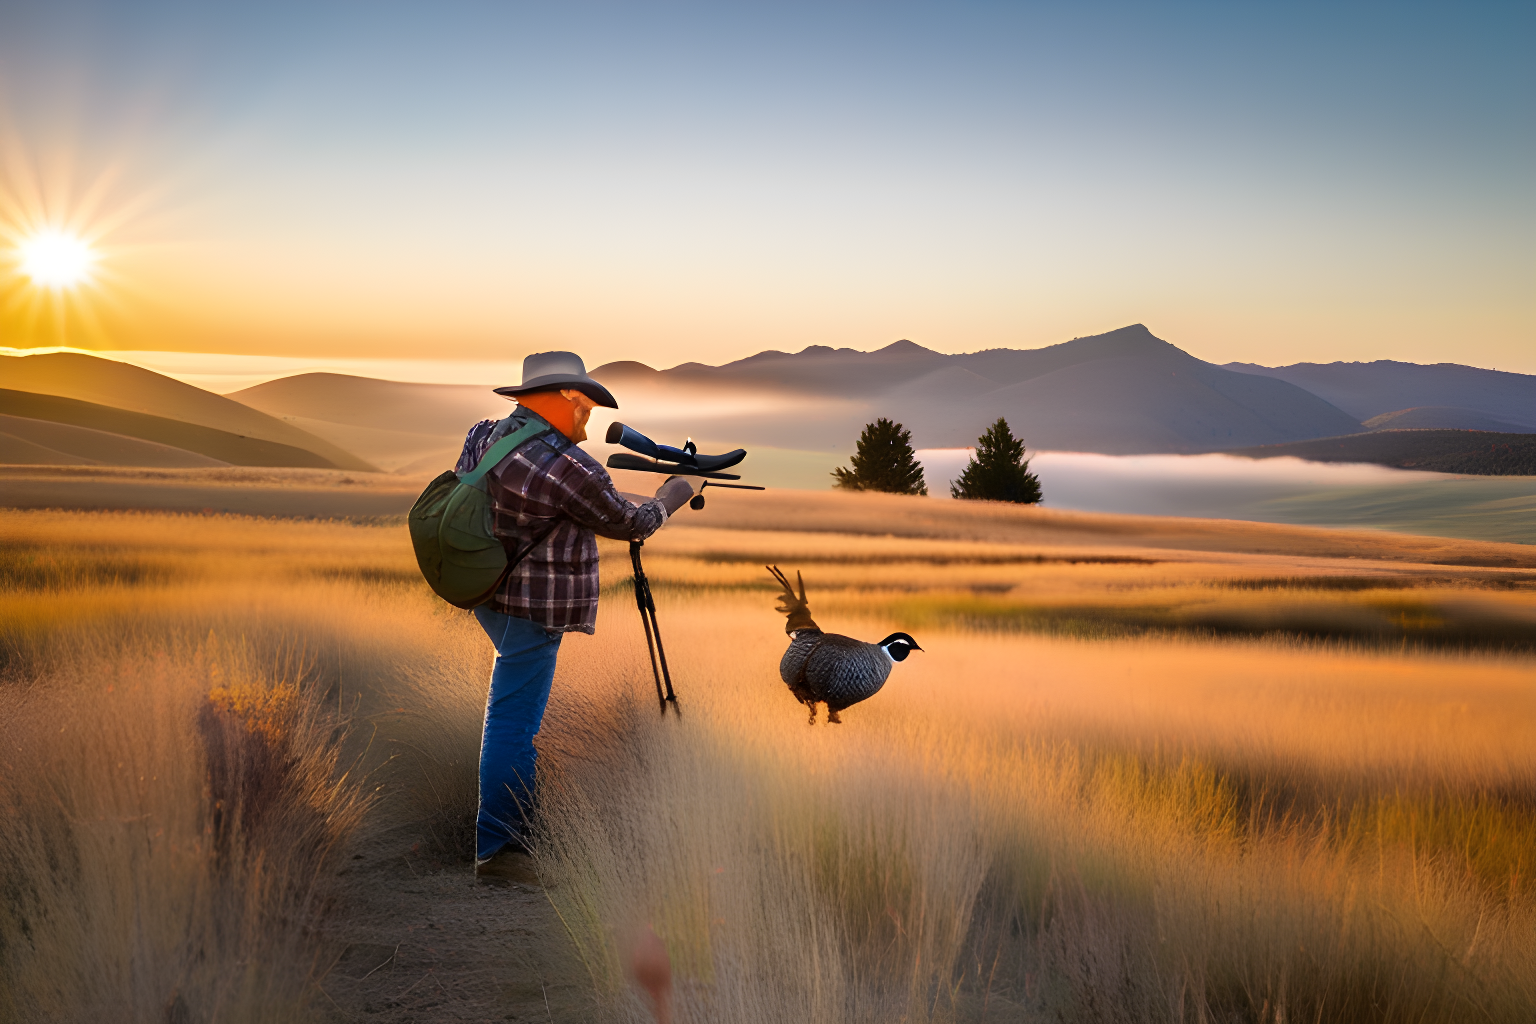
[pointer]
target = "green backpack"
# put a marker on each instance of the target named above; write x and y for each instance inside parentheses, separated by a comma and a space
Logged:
(451, 529)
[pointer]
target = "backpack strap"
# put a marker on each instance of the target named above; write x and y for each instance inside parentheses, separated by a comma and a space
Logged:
(500, 450)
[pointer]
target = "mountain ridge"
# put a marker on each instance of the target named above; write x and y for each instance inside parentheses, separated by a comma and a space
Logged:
(1120, 392)
(1381, 386)
(821, 368)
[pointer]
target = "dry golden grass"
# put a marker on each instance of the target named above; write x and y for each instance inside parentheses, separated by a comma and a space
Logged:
(170, 814)
(1117, 590)
(1120, 813)
(1119, 830)
(174, 694)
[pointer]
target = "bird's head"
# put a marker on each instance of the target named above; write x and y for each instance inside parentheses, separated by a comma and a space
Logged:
(898, 645)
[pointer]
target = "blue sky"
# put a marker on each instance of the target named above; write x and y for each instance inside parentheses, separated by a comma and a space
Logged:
(672, 181)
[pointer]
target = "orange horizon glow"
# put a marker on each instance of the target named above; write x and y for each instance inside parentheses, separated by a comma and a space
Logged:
(292, 282)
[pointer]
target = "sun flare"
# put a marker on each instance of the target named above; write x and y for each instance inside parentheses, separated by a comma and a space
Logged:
(55, 259)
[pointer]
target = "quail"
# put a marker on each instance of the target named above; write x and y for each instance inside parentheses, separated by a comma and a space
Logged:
(829, 668)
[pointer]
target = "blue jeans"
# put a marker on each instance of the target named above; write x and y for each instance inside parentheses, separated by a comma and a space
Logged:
(514, 708)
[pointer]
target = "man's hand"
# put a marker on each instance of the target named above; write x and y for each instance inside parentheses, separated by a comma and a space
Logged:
(674, 493)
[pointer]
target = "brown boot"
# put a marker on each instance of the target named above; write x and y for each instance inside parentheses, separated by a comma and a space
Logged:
(509, 866)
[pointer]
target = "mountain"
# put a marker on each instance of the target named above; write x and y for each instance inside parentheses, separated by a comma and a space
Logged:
(36, 442)
(215, 444)
(844, 372)
(1367, 390)
(1444, 417)
(1124, 392)
(1472, 452)
(1133, 405)
(105, 382)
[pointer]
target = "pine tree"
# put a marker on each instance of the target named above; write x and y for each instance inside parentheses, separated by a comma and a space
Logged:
(884, 461)
(998, 471)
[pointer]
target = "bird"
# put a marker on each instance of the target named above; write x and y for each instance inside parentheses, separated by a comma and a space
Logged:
(830, 668)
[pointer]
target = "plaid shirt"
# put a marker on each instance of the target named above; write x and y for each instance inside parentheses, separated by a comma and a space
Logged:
(548, 479)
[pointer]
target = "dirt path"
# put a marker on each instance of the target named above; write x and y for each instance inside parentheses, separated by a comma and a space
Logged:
(418, 940)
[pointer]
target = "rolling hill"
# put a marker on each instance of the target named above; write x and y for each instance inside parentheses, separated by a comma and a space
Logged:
(107, 383)
(394, 424)
(215, 444)
(1474, 452)
(48, 443)
(1367, 390)
(432, 409)
(1444, 417)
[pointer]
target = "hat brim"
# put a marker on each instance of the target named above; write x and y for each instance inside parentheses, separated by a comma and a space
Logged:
(561, 381)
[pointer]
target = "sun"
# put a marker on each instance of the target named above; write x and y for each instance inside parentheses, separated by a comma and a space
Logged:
(56, 259)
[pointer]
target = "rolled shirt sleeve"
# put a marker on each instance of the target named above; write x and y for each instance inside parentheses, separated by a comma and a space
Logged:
(599, 506)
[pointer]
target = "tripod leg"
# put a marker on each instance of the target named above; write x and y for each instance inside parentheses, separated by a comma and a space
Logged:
(647, 612)
(666, 675)
(655, 672)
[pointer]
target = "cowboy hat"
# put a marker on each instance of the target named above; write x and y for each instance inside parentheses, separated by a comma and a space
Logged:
(555, 371)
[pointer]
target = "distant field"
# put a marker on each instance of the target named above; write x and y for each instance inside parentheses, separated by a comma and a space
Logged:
(1477, 452)
(299, 493)
(324, 494)
(1144, 770)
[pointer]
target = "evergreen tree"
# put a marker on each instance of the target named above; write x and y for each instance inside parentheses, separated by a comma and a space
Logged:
(884, 461)
(998, 471)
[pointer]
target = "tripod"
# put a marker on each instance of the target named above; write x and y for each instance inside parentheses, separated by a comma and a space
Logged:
(647, 607)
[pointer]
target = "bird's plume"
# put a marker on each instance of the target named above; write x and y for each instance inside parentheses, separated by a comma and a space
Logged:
(793, 604)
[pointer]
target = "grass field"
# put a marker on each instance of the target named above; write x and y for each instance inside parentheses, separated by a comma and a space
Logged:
(1200, 772)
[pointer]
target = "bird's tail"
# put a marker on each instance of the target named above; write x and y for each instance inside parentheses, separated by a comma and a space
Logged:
(793, 604)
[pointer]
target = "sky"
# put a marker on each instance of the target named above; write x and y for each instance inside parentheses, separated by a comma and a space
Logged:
(326, 182)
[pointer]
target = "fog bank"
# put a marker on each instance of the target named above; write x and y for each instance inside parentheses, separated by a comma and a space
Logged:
(1280, 490)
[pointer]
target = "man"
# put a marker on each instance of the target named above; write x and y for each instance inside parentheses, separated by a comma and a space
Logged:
(547, 483)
